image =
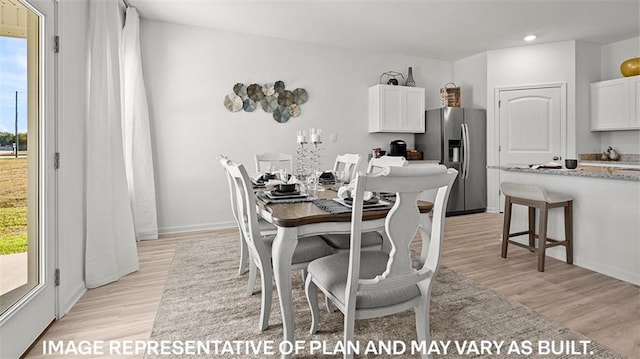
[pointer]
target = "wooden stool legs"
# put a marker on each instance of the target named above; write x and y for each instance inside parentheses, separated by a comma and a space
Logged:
(506, 226)
(568, 231)
(544, 242)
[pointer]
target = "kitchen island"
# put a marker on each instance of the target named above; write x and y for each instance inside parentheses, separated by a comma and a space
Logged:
(606, 215)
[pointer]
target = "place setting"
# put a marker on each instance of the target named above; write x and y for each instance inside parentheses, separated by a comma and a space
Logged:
(280, 187)
(343, 202)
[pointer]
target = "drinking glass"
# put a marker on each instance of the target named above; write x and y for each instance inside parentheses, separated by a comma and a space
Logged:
(340, 177)
(312, 187)
(284, 176)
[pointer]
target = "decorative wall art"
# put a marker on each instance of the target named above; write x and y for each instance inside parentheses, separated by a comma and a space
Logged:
(272, 97)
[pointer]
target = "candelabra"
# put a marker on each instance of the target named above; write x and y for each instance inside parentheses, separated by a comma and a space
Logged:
(301, 161)
(308, 159)
(314, 157)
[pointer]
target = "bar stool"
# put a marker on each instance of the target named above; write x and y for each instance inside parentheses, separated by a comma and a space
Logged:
(536, 197)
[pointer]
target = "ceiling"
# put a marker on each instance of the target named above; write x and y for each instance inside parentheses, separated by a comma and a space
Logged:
(447, 30)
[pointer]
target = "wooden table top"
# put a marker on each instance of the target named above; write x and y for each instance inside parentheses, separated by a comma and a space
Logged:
(302, 213)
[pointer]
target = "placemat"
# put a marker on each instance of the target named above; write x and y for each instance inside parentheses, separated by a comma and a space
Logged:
(264, 198)
(331, 206)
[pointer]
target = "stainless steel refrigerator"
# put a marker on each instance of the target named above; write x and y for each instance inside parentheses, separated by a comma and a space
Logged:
(457, 137)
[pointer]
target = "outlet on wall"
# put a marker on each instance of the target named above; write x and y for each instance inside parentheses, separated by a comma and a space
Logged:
(334, 137)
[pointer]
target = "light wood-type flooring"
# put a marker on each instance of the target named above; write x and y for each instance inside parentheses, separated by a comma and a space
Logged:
(602, 308)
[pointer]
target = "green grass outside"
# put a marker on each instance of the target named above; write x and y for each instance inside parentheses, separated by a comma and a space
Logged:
(13, 205)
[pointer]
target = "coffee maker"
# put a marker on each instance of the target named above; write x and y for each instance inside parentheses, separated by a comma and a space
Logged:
(398, 148)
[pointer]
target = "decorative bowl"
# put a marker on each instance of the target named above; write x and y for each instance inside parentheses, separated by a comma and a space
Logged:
(630, 67)
(571, 164)
(285, 188)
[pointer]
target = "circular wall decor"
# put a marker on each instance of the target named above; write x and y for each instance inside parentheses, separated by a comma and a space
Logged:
(281, 114)
(254, 91)
(285, 98)
(279, 86)
(249, 105)
(233, 102)
(240, 89)
(269, 103)
(268, 89)
(295, 110)
(272, 97)
(300, 96)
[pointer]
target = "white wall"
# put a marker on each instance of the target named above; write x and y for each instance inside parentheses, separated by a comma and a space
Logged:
(188, 71)
(72, 25)
(471, 75)
(587, 71)
(612, 56)
(520, 66)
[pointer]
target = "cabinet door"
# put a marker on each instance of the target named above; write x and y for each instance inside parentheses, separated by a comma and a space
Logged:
(610, 105)
(414, 110)
(391, 108)
(634, 101)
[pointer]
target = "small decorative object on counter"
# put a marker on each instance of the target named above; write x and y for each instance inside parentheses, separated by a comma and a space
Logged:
(630, 67)
(414, 155)
(379, 152)
(613, 155)
(450, 94)
(391, 77)
(410, 81)
(604, 156)
(571, 164)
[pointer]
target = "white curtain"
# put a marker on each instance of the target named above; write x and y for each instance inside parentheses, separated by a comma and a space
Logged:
(136, 135)
(111, 250)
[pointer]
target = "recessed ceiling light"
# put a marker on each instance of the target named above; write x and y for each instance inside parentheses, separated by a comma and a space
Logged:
(529, 37)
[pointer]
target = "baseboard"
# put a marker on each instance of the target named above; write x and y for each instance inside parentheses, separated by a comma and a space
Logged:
(492, 210)
(195, 228)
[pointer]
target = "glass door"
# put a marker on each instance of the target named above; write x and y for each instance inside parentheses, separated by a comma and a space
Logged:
(27, 182)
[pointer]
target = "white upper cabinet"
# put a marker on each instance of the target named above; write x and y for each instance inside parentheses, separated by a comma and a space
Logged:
(634, 87)
(615, 104)
(396, 109)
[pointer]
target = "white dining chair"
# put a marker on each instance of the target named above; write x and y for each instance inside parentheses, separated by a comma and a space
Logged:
(370, 284)
(272, 162)
(370, 240)
(259, 246)
(347, 165)
(266, 228)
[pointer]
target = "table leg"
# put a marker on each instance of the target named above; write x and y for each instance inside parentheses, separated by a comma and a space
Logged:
(283, 247)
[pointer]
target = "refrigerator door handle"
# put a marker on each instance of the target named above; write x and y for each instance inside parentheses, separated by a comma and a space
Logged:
(467, 158)
(464, 151)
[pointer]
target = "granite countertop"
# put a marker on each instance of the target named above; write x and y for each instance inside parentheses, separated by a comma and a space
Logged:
(617, 173)
(611, 163)
(423, 161)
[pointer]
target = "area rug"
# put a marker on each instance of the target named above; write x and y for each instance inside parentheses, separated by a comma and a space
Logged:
(204, 306)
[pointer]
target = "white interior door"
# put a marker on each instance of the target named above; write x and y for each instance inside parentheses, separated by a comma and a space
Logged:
(27, 307)
(532, 125)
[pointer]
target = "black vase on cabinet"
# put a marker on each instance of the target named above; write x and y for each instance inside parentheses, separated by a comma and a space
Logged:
(410, 81)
